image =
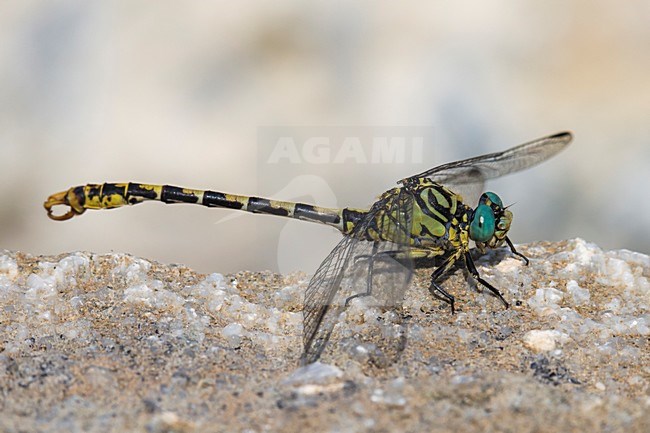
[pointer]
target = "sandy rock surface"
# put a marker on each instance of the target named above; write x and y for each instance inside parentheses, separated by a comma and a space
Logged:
(118, 343)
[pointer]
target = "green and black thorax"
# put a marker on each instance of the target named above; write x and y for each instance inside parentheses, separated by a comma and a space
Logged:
(427, 215)
(437, 220)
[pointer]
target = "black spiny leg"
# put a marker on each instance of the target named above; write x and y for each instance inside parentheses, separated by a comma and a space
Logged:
(435, 288)
(515, 252)
(472, 270)
(368, 292)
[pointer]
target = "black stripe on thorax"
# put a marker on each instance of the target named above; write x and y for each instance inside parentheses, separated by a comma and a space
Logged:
(432, 204)
(426, 233)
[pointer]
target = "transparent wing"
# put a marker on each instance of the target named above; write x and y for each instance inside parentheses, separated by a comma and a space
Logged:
(467, 177)
(358, 267)
(320, 312)
(470, 185)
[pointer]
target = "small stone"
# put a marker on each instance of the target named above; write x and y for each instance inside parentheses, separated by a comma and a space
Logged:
(580, 296)
(542, 340)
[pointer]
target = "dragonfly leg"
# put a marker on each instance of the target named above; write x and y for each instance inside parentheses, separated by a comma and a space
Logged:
(515, 252)
(370, 258)
(435, 289)
(472, 270)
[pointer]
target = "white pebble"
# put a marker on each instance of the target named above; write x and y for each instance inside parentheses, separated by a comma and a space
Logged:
(545, 300)
(580, 296)
(543, 340)
(232, 330)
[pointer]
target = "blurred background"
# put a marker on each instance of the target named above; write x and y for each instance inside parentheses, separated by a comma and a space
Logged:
(195, 93)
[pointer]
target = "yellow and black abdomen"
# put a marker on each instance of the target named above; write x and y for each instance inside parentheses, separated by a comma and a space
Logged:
(114, 195)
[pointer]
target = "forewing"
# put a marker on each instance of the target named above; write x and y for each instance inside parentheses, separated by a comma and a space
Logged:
(469, 175)
(357, 264)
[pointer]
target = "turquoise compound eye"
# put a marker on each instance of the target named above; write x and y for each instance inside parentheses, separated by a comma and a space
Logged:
(495, 199)
(482, 227)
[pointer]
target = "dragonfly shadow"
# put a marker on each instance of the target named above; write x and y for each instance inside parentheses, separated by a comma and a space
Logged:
(382, 338)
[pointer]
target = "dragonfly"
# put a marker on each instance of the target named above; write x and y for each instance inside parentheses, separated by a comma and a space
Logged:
(424, 218)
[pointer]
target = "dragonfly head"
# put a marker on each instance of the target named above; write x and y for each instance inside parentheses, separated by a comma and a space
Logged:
(490, 222)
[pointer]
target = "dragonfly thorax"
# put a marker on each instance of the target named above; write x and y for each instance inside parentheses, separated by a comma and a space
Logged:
(490, 222)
